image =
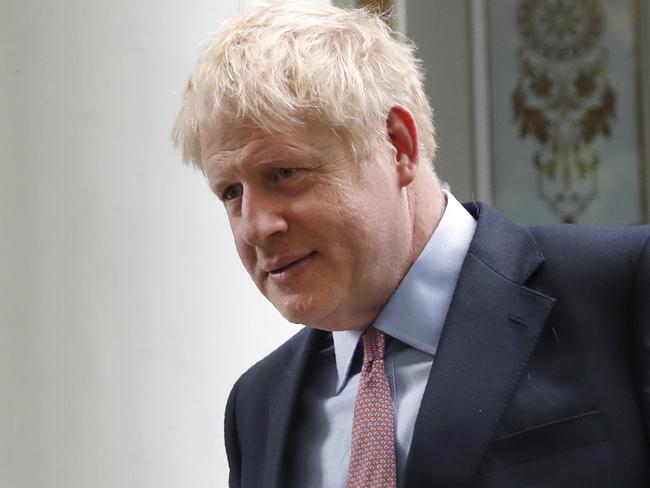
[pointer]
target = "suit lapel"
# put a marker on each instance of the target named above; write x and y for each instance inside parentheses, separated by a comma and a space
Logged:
(282, 408)
(491, 329)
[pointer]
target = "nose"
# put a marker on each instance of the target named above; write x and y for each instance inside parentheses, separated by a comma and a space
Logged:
(261, 217)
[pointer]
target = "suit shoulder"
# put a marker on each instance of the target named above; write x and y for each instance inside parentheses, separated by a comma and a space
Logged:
(572, 238)
(592, 255)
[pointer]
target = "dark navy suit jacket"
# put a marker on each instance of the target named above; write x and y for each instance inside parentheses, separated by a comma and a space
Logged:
(541, 379)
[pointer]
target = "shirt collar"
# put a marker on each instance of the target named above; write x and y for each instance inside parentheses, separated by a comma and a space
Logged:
(416, 312)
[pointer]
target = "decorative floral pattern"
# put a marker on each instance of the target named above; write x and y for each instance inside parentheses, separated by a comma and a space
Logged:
(563, 98)
(560, 29)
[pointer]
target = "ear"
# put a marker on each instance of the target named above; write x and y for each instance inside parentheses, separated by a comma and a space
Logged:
(403, 135)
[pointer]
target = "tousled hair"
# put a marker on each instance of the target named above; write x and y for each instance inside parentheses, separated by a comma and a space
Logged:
(280, 64)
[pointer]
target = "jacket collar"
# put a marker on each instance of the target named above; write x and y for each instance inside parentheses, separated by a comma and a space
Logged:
(492, 326)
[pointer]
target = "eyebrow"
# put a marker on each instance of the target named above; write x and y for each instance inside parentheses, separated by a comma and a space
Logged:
(284, 154)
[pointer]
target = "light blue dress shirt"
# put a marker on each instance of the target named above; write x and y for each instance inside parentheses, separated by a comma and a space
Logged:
(413, 318)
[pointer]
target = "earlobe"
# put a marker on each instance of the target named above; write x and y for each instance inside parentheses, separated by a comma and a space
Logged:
(402, 133)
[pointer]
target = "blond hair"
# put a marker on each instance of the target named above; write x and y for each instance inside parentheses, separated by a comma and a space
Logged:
(279, 64)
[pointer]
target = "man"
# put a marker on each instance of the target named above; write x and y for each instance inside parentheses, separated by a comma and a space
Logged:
(445, 345)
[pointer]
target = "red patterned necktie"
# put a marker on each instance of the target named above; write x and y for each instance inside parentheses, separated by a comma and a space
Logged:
(372, 458)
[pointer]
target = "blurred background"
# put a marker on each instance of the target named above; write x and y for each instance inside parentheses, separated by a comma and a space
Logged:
(125, 315)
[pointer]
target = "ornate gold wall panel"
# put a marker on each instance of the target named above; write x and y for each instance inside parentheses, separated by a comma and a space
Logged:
(565, 117)
(563, 98)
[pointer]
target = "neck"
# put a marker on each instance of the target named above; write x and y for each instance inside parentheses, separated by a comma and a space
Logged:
(427, 204)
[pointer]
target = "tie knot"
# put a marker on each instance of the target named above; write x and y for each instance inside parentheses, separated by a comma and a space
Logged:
(373, 344)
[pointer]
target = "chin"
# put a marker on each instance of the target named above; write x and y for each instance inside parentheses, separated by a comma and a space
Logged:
(303, 316)
(309, 311)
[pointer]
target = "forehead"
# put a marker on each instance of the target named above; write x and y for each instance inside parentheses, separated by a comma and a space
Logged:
(224, 137)
(228, 145)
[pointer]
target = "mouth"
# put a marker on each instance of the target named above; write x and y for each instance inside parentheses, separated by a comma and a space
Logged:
(287, 273)
(281, 269)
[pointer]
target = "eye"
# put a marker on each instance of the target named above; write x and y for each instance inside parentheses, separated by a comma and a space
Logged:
(285, 173)
(232, 192)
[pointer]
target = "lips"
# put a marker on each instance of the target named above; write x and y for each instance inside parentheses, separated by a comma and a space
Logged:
(278, 266)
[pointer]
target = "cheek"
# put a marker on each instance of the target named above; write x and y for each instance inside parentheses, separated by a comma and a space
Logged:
(376, 239)
(246, 255)
(357, 249)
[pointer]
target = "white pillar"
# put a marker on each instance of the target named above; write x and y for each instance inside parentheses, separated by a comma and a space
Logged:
(125, 315)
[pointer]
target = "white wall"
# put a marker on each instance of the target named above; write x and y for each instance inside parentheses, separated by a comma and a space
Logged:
(125, 315)
(644, 23)
(441, 30)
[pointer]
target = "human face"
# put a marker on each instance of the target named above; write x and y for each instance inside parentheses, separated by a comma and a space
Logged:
(325, 238)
